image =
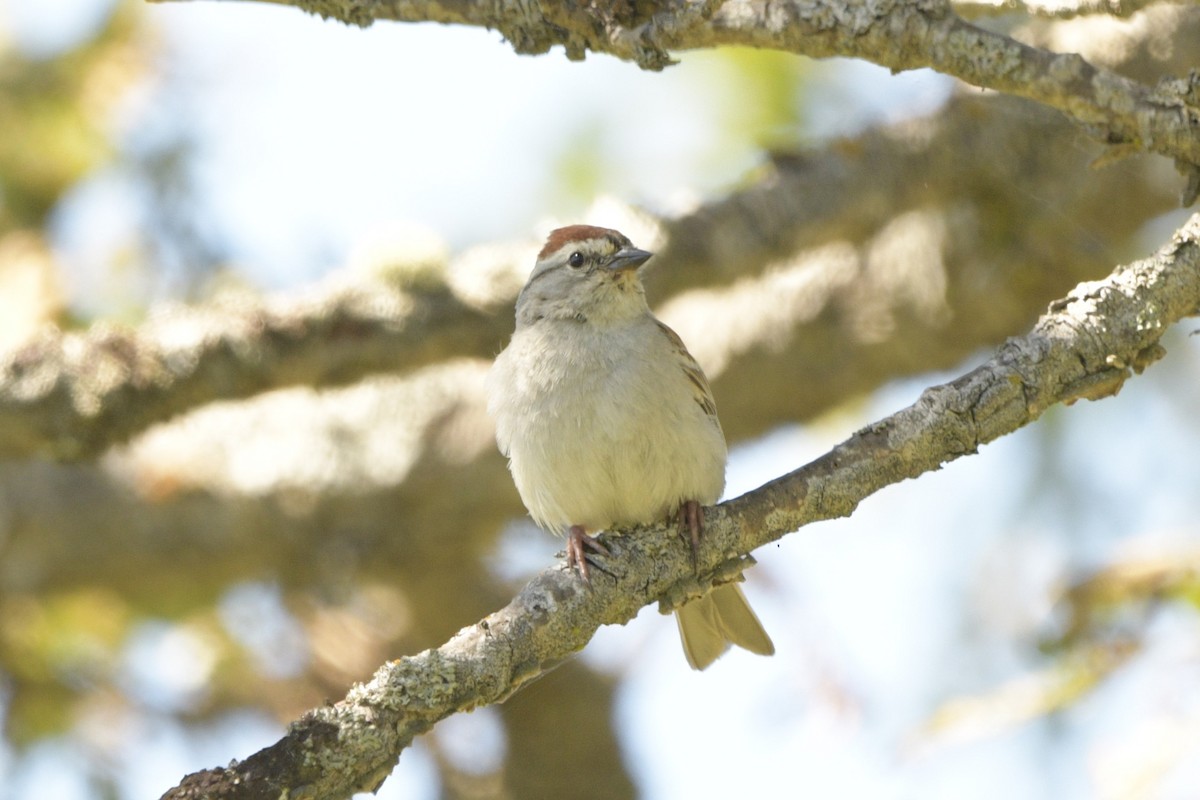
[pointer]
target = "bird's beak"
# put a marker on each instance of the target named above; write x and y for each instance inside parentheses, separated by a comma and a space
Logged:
(628, 258)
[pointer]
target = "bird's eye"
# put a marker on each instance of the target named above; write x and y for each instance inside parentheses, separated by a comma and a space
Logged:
(576, 259)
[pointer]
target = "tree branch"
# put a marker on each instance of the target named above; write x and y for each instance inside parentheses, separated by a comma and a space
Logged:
(71, 395)
(1085, 346)
(1051, 9)
(897, 34)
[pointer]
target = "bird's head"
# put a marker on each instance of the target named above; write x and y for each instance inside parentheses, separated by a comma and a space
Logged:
(584, 273)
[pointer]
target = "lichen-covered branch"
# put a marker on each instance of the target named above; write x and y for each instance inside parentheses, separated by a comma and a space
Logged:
(1053, 9)
(71, 395)
(897, 34)
(1085, 346)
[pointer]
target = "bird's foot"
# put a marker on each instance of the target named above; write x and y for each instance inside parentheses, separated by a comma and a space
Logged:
(578, 545)
(691, 523)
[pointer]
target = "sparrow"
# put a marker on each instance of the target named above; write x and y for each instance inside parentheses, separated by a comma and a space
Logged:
(607, 420)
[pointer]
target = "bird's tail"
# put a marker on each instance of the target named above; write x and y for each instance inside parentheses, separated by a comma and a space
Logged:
(710, 624)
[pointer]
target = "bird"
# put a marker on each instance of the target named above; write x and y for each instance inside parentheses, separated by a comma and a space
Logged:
(608, 422)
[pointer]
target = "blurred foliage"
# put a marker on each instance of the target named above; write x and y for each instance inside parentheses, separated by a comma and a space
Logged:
(754, 99)
(66, 119)
(579, 167)
(57, 649)
(57, 115)
(57, 131)
(1119, 599)
(1054, 688)
(764, 93)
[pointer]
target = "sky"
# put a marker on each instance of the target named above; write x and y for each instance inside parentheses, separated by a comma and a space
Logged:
(314, 139)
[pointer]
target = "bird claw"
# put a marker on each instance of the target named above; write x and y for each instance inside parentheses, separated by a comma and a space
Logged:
(578, 545)
(691, 523)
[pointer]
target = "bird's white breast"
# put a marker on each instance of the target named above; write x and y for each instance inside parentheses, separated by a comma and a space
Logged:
(601, 425)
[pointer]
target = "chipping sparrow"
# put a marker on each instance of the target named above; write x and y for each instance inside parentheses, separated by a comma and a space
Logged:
(607, 420)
